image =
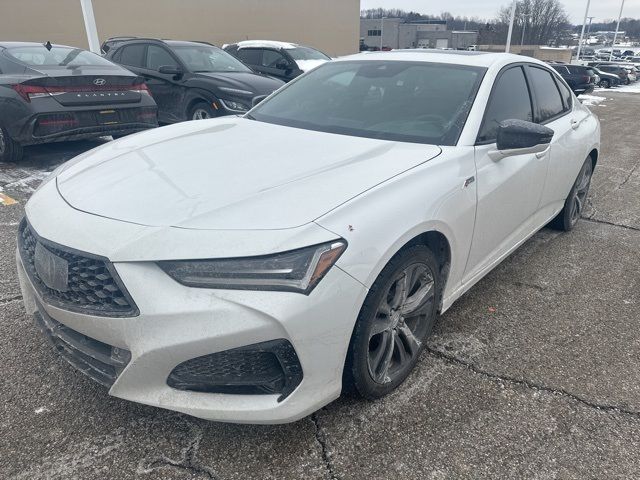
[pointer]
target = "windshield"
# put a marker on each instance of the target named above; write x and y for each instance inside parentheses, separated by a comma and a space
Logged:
(204, 58)
(405, 101)
(56, 57)
(306, 53)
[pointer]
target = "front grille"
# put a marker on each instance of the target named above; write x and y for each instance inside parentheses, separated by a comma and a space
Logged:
(92, 285)
(99, 361)
(267, 367)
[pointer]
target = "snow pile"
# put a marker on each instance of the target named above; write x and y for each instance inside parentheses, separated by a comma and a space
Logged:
(591, 100)
(633, 88)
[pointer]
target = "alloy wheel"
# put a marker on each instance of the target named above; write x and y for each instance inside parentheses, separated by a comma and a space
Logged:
(200, 114)
(580, 192)
(400, 321)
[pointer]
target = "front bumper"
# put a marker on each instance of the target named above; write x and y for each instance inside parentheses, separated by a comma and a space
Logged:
(177, 323)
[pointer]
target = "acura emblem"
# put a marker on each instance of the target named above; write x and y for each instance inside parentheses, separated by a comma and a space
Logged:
(99, 81)
(52, 269)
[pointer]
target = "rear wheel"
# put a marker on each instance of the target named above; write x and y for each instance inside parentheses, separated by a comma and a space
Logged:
(605, 83)
(10, 150)
(396, 318)
(201, 111)
(575, 202)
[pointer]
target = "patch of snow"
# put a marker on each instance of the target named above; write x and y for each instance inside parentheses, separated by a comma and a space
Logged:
(40, 410)
(591, 100)
(632, 88)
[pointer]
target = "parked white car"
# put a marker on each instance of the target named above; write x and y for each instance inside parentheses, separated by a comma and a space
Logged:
(238, 269)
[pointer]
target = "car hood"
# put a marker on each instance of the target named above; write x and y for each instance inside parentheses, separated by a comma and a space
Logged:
(231, 173)
(306, 65)
(251, 82)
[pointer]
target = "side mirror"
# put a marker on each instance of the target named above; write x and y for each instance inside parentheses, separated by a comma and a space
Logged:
(518, 137)
(170, 70)
(257, 99)
(282, 64)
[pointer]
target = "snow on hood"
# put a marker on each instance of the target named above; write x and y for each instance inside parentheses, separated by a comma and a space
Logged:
(231, 173)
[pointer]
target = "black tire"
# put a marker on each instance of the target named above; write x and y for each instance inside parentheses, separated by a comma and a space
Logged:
(10, 150)
(361, 372)
(577, 198)
(605, 83)
(201, 111)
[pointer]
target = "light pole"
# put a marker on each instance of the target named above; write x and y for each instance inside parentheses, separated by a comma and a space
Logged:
(90, 26)
(381, 31)
(513, 16)
(584, 22)
(615, 35)
(524, 26)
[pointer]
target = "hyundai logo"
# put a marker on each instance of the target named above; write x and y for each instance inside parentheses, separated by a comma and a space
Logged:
(99, 81)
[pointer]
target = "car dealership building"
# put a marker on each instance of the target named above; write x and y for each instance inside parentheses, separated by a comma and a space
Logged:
(331, 25)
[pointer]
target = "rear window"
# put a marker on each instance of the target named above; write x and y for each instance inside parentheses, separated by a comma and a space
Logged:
(39, 56)
(132, 55)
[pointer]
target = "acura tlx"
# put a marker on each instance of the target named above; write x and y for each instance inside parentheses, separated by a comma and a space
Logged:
(249, 269)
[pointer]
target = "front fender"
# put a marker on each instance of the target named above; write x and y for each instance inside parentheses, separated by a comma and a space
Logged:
(434, 196)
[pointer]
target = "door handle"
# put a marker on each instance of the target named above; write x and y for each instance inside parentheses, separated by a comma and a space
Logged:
(542, 154)
(575, 123)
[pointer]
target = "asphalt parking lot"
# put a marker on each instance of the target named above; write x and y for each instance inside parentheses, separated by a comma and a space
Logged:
(535, 373)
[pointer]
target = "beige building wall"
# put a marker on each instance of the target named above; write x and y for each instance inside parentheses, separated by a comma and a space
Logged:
(535, 51)
(330, 25)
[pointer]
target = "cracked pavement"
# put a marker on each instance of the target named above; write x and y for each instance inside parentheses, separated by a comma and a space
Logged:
(534, 373)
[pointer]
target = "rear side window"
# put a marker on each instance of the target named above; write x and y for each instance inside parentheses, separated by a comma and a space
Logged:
(561, 69)
(567, 98)
(510, 99)
(133, 55)
(548, 97)
(252, 56)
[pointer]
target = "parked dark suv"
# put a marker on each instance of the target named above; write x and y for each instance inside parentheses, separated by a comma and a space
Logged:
(279, 59)
(50, 93)
(579, 78)
(190, 80)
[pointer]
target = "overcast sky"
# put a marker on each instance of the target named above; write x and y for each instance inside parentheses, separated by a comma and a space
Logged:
(600, 9)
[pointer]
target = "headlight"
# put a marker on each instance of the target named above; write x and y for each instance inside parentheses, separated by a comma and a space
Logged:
(235, 106)
(295, 271)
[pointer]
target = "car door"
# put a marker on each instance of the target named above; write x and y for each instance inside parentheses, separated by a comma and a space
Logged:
(167, 88)
(509, 189)
(556, 110)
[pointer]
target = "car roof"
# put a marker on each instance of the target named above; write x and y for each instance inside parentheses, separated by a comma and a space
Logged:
(454, 57)
(266, 44)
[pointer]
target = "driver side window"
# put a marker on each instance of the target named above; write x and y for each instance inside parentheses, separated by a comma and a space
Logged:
(270, 58)
(158, 57)
(510, 99)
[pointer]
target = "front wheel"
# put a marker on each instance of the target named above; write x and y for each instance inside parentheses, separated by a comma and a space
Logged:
(201, 111)
(396, 318)
(10, 150)
(576, 200)
(605, 83)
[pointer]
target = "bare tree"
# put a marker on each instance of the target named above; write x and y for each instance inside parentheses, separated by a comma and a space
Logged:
(544, 21)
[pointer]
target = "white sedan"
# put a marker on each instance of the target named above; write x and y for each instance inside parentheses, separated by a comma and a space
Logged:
(248, 269)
